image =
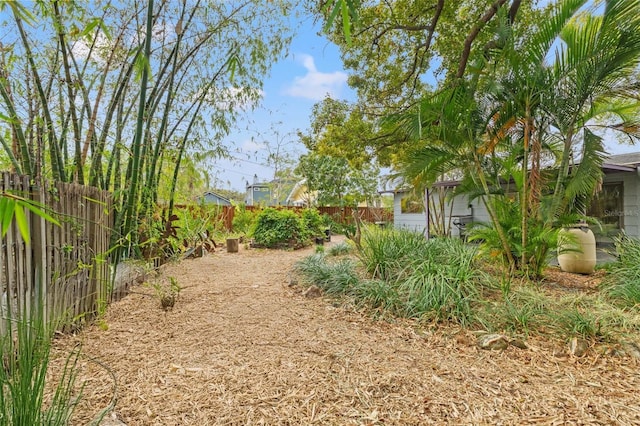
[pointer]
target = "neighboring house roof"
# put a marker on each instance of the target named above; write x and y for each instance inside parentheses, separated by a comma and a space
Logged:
(300, 194)
(214, 195)
(622, 162)
(258, 185)
(630, 159)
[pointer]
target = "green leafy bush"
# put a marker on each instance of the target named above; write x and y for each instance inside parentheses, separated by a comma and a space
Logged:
(243, 219)
(542, 239)
(280, 228)
(313, 222)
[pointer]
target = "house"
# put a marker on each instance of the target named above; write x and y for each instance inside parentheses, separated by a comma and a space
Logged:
(211, 197)
(450, 217)
(300, 195)
(617, 205)
(258, 193)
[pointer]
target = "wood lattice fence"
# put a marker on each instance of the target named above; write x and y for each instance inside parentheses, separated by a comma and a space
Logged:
(65, 265)
(343, 215)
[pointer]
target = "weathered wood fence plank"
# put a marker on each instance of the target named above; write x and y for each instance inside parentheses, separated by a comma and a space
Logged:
(64, 269)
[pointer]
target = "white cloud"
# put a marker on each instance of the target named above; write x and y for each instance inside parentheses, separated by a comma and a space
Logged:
(234, 98)
(315, 85)
(81, 49)
(252, 146)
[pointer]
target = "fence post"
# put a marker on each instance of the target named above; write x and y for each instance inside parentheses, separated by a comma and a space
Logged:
(39, 244)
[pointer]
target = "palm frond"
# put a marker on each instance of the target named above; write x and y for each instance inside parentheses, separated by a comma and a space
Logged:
(587, 175)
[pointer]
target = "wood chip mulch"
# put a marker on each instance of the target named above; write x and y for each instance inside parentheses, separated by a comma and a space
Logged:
(562, 281)
(243, 347)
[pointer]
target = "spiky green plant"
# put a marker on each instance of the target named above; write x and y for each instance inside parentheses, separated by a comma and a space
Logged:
(25, 355)
(385, 253)
(623, 280)
(339, 249)
(574, 322)
(333, 278)
(435, 279)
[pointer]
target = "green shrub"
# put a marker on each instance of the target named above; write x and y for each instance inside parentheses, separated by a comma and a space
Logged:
(622, 282)
(541, 240)
(280, 228)
(243, 219)
(313, 222)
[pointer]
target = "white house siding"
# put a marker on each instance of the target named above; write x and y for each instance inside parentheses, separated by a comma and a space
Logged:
(478, 212)
(418, 221)
(631, 207)
(631, 201)
(410, 221)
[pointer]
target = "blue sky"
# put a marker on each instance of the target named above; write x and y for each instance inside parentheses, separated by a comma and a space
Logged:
(312, 70)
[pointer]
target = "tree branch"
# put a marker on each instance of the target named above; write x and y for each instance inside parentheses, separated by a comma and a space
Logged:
(489, 14)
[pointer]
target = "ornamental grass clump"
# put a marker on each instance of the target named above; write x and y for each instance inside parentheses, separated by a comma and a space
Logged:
(623, 279)
(405, 275)
(433, 279)
(578, 323)
(385, 253)
(336, 278)
(522, 311)
(339, 249)
(25, 354)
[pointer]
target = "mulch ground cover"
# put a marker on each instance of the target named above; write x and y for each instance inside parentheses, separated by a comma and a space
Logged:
(243, 347)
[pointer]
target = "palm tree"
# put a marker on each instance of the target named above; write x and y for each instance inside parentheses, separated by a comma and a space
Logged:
(530, 104)
(450, 129)
(592, 80)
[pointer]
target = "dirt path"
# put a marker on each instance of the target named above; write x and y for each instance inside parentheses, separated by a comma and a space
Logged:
(241, 347)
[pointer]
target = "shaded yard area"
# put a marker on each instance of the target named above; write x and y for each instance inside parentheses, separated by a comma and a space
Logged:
(242, 346)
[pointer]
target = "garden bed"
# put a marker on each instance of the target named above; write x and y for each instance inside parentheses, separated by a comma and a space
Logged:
(243, 345)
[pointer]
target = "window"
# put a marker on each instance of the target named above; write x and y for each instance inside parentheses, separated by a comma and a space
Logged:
(411, 204)
(607, 206)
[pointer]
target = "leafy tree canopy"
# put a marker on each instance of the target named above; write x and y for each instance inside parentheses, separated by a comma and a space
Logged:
(395, 44)
(393, 52)
(336, 182)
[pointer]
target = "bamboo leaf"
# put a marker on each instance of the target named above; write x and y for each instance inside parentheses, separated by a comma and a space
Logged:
(8, 119)
(141, 65)
(6, 214)
(21, 222)
(346, 22)
(90, 26)
(20, 10)
(38, 210)
(332, 16)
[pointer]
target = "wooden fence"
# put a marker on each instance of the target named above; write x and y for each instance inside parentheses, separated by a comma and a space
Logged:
(342, 215)
(65, 265)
